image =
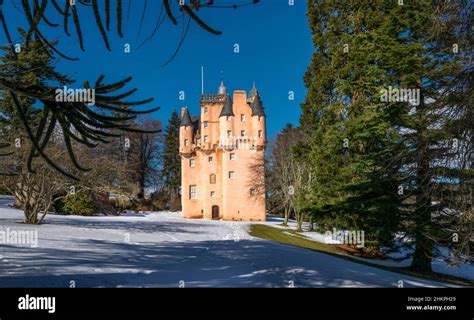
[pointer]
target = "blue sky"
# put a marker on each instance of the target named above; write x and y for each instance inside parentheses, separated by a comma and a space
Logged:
(275, 49)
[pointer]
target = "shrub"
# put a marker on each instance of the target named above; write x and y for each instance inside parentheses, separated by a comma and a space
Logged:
(79, 204)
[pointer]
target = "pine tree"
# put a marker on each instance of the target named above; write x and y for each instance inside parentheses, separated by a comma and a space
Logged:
(377, 165)
(171, 161)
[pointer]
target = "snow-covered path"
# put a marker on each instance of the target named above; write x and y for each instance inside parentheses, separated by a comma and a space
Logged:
(163, 249)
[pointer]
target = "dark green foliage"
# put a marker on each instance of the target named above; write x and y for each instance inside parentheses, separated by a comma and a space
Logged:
(171, 171)
(79, 204)
(363, 149)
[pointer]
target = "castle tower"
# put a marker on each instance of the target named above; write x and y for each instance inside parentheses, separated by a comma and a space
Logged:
(258, 118)
(186, 132)
(228, 138)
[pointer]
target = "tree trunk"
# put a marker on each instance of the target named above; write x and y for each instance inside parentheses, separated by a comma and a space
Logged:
(30, 215)
(299, 224)
(287, 214)
(422, 256)
(310, 224)
(141, 189)
(423, 244)
(299, 220)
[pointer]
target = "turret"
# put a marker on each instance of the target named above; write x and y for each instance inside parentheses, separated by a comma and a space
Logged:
(222, 89)
(258, 117)
(253, 92)
(185, 132)
(226, 123)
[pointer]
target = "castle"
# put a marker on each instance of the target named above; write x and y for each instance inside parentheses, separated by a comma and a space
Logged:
(222, 157)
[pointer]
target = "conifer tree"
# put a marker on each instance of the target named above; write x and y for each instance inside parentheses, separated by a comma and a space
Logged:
(171, 171)
(382, 165)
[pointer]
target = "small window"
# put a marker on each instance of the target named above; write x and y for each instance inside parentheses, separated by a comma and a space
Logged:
(212, 178)
(227, 118)
(260, 133)
(229, 133)
(205, 109)
(213, 193)
(211, 159)
(231, 174)
(259, 118)
(206, 139)
(186, 142)
(192, 192)
(186, 128)
(192, 163)
(242, 117)
(205, 124)
(242, 133)
(232, 156)
(198, 141)
(253, 191)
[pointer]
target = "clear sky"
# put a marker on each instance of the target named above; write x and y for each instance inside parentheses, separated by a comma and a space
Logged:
(275, 49)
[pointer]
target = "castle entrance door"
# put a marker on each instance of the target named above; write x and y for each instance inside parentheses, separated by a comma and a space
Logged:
(215, 213)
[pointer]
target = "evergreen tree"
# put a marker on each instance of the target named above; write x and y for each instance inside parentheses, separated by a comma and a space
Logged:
(171, 162)
(377, 165)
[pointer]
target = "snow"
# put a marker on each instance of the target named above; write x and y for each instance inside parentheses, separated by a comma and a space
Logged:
(463, 270)
(162, 249)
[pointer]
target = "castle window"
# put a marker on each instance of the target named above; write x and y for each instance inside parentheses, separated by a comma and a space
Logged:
(232, 156)
(204, 109)
(242, 117)
(227, 118)
(242, 133)
(186, 142)
(211, 159)
(193, 192)
(198, 141)
(205, 124)
(212, 178)
(192, 163)
(229, 133)
(259, 118)
(253, 191)
(260, 133)
(186, 128)
(231, 174)
(213, 193)
(206, 139)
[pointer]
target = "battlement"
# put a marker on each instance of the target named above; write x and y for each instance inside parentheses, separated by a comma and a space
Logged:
(213, 98)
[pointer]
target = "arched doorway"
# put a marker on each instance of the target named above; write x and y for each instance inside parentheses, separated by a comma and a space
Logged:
(215, 213)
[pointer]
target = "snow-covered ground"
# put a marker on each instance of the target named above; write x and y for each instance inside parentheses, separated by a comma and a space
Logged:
(464, 270)
(164, 250)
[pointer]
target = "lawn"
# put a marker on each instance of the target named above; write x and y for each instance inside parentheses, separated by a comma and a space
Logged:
(296, 239)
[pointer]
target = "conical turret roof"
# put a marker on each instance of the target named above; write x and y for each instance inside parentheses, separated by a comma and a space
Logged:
(227, 110)
(186, 119)
(222, 89)
(257, 107)
(253, 91)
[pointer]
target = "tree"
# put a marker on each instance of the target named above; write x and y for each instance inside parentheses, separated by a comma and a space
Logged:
(288, 177)
(386, 167)
(171, 160)
(143, 156)
(35, 193)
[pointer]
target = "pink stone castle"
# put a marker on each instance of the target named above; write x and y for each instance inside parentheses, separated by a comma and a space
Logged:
(220, 151)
